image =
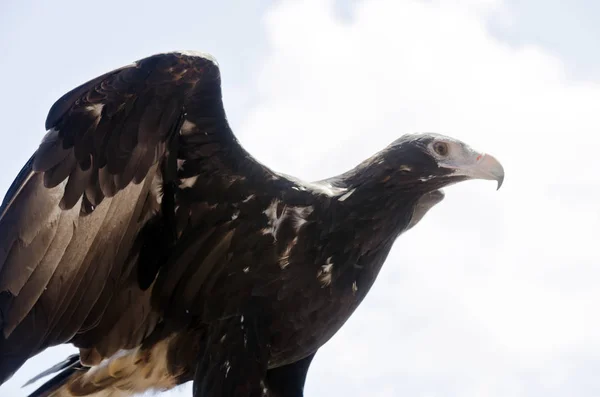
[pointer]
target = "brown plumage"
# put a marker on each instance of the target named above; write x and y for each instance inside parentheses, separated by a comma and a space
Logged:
(144, 234)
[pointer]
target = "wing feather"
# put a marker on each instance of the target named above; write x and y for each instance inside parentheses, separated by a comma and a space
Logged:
(70, 221)
(38, 280)
(59, 172)
(76, 183)
(29, 254)
(118, 126)
(21, 226)
(102, 259)
(50, 151)
(65, 280)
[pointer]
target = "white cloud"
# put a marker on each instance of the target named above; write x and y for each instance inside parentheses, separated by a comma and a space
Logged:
(493, 293)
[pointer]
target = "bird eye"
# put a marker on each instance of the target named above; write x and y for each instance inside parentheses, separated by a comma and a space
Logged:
(441, 148)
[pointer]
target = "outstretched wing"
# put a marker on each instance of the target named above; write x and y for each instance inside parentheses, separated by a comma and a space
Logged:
(69, 221)
(108, 132)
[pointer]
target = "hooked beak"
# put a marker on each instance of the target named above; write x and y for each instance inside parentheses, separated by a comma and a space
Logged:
(486, 167)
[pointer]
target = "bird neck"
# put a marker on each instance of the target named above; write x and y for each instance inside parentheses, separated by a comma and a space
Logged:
(373, 206)
(368, 216)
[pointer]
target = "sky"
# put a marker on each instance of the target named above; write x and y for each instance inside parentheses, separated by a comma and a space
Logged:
(494, 293)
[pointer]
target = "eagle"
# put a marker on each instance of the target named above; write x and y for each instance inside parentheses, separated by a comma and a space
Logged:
(143, 233)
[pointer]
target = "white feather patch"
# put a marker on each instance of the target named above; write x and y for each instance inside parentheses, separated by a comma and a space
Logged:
(273, 220)
(188, 182)
(298, 214)
(284, 260)
(95, 110)
(204, 55)
(324, 274)
(345, 196)
(187, 127)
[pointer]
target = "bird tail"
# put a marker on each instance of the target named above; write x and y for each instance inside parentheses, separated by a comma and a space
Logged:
(65, 371)
(124, 374)
(15, 349)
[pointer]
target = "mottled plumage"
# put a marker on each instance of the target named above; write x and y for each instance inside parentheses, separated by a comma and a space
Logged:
(144, 234)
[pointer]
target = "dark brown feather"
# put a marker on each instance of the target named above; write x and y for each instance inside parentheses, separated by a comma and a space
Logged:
(57, 174)
(76, 183)
(70, 267)
(50, 151)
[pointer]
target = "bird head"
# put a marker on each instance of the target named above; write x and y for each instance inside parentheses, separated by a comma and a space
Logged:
(428, 162)
(419, 165)
(398, 185)
(411, 171)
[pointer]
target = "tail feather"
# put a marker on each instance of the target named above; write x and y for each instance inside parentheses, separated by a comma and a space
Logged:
(67, 363)
(14, 350)
(124, 374)
(66, 369)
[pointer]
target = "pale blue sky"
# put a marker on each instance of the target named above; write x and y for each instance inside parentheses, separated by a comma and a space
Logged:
(451, 347)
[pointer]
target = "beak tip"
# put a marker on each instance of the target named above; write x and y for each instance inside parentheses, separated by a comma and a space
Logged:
(493, 168)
